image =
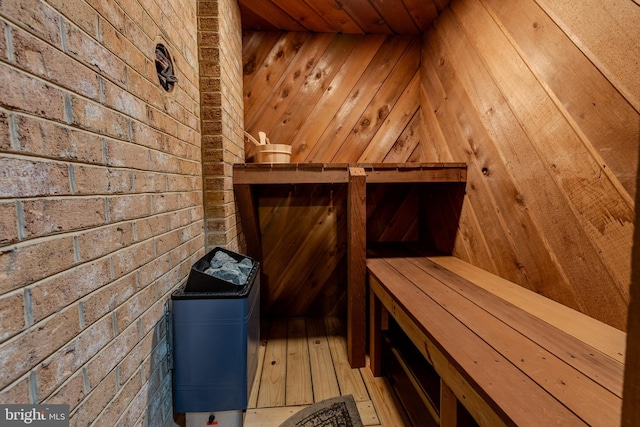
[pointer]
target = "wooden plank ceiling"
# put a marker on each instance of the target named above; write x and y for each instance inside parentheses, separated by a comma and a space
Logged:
(398, 17)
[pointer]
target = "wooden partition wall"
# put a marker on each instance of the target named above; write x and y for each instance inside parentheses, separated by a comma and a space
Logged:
(548, 122)
(539, 97)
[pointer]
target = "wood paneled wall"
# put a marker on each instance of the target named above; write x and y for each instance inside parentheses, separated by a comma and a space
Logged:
(541, 104)
(548, 123)
(334, 97)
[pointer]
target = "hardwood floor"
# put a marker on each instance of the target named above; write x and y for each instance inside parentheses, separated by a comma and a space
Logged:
(303, 361)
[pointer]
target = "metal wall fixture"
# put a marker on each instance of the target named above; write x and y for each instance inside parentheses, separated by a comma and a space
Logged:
(164, 67)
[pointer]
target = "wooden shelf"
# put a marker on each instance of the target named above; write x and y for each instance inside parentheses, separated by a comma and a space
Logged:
(356, 176)
(328, 173)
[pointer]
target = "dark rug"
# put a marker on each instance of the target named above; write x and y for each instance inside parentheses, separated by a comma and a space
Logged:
(336, 412)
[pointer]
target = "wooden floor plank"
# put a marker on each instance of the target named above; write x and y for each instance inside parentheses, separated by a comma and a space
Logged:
(273, 379)
(325, 383)
(264, 333)
(270, 417)
(349, 380)
(382, 396)
(298, 388)
(282, 355)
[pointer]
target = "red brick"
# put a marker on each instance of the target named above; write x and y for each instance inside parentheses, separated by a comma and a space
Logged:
(167, 242)
(56, 293)
(119, 404)
(92, 53)
(131, 364)
(37, 16)
(153, 226)
(108, 298)
(26, 93)
(51, 139)
(115, 41)
(181, 218)
(132, 258)
(191, 231)
(147, 136)
(129, 207)
(184, 183)
(119, 99)
(27, 263)
(27, 350)
(111, 11)
(153, 270)
(100, 180)
(5, 133)
(191, 198)
(96, 118)
(149, 182)
(61, 365)
(71, 393)
(153, 319)
(89, 409)
(27, 178)
(163, 162)
(8, 223)
(48, 216)
(80, 13)
(148, 91)
(12, 318)
(96, 243)
(134, 415)
(133, 12)
(161, 121)
(128, 312)
(111, 355)
(18, 394)
(165, 202)
(125, 154)
(43, 60)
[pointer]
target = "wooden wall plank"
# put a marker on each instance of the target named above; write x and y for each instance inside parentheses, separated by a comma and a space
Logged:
(350, 112)
(306, 138)
(281, 94)
(606, 121)
(394, 124)
(376, 121)
(608, 32)
(317, 81)
(258, 87)
(579, 178)
(334, 14)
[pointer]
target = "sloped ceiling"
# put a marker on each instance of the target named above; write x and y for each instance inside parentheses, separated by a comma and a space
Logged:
(400, 17)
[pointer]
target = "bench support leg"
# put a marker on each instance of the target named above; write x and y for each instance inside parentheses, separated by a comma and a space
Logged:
(375, 334)
(448, 406)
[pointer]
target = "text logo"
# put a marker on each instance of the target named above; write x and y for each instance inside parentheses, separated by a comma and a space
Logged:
(34, 415)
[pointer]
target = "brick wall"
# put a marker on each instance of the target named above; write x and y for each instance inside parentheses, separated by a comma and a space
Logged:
(100, 202)
(220, 48)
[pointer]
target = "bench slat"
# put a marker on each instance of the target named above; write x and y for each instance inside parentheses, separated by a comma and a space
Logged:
(591, 362)
(593, 403)
(600, 336)
(501, 384)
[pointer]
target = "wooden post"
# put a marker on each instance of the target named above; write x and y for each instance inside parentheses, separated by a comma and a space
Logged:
(249, 219)
(375, 335)
(631, 392)
(357, 266)
(448, 406)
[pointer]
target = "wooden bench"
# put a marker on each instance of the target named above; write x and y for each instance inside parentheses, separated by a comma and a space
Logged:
(509, 355)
